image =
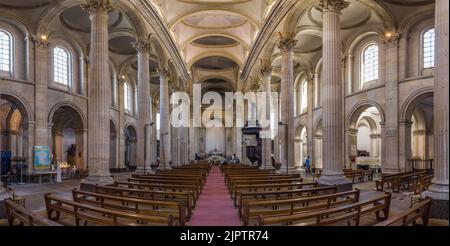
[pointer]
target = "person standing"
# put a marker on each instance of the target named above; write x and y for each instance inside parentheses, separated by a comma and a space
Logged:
(308, 165)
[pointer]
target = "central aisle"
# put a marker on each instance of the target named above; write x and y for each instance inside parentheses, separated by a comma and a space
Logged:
(215, 206)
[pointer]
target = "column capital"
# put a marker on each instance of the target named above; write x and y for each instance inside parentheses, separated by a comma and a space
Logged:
(351, 131)
(163, 72)
(287, 42)
(420, 132)
(40, 41)
(375, 136)
(332, 5)
(97, 6)
(405, 122)
(266, 70)
(142, 46)
(390, 39)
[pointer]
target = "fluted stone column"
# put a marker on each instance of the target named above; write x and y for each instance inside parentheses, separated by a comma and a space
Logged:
(333, 111)
(391, 162)
(165, 136)
(143, 48)
(439, 189)
(42, 79)
(287, 129)
(99, 94)
(266, 72)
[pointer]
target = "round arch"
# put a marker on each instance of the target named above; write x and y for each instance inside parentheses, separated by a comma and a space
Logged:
(21, 103)
(359, 108)
(71, 106)
(412, 101)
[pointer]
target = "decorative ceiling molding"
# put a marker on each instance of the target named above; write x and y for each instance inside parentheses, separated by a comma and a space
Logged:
(161, 30)
(274, 18)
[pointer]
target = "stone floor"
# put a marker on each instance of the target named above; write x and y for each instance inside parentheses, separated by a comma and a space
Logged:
(34, 194)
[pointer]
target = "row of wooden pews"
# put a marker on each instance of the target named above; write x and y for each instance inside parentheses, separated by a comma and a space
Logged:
(265, 198)
(166, 198)
(401, 180)
(359, 175)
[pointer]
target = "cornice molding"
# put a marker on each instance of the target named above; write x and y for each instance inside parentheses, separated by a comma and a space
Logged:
(277, 14)
(161, 30)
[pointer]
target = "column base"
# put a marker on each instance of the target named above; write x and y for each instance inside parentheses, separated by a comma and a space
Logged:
(440, 203)
(144, 171)
(342, 183)
(91, 181)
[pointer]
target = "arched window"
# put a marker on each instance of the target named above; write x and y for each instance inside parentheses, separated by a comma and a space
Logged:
(304, 96)
(61, 66)
(369, 64)
(5, 51)
(428, 48)
(127, 97)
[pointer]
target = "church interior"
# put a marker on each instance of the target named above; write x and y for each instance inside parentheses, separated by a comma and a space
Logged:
(356, 93)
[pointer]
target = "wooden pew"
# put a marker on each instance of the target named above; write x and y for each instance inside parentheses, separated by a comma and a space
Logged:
(406, 181)
(132, 205)
(184, 198)
(387, 179)
(334, 216)
(234, 183)
(253, 209)
(168, 182)
(269, 187)
(161, 187)
(359, 174)
(25, 217)
(97, 215)
(278, 195)
(411, 216)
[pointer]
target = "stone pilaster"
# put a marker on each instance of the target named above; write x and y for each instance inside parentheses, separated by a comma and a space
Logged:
(144, 143)
(41, 51)
(391, 132)
(404, 145)
(165, 136)
(287, 124)
(351, 135)
(439, 189)
(266, 72)
(99, 94)
(333, 111)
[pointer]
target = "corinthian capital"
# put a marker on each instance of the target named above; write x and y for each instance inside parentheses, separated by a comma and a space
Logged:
(164, 73)
(287, 42)
(142, 46)
(390, 39)
(332, 5)
(97, 6)
(40, 42)
(266, 70)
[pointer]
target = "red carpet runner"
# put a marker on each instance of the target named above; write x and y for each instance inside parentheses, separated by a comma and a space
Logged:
(215, 206)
